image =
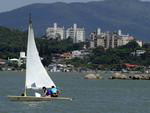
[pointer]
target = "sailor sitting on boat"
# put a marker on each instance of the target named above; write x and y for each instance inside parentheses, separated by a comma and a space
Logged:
(53, 92)
(46, 91)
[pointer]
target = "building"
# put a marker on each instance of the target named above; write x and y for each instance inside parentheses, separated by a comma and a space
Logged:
(76, 53)
(110, 39)
(138, 52)
(77, 34)
(55, 32)
(22, 59)
(140, 42)
(106, 40)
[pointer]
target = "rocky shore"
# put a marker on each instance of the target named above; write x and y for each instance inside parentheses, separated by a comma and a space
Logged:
(128, 76)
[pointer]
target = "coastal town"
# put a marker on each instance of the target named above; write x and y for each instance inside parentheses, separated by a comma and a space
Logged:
(97, 38)
(74, 56)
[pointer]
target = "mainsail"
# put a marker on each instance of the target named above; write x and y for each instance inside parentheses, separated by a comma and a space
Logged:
(36, 75)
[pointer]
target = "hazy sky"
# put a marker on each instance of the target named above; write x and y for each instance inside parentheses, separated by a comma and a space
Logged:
(6, 5)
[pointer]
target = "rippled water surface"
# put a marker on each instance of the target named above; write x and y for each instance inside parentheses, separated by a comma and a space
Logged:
(89, 96)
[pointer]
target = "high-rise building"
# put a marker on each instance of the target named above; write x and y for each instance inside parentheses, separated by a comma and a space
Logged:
(55, 32)
(110, 40)
(77, 34)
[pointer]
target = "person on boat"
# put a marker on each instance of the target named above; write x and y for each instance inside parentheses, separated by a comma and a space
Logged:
(54, 92)
(46, 92)
(22, 94)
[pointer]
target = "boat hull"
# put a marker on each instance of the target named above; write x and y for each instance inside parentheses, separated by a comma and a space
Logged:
(32, 98)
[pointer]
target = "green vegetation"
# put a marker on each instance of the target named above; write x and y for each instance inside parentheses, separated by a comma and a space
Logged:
(100, 58)
(13, 41)
(48, 47)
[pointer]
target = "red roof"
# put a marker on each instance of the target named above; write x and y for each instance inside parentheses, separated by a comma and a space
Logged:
(131, 65)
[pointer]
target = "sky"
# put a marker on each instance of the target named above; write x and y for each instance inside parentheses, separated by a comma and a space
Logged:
(7, 5)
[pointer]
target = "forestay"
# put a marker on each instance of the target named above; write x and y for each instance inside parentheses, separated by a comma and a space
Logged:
(36, 75)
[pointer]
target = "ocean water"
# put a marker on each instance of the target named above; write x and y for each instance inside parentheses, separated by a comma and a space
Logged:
(89, 96)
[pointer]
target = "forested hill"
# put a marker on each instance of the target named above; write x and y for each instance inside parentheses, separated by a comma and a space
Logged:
(13, 41)
(131, 16)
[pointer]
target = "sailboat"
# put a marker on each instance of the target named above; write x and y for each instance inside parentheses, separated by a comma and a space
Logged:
(36, 75)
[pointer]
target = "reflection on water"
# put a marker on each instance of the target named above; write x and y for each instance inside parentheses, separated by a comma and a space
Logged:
(89, 96)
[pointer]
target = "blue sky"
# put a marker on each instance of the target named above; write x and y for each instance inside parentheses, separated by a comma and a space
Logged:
(6, 5)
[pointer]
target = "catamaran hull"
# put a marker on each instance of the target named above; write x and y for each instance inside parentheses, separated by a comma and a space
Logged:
(32, 98)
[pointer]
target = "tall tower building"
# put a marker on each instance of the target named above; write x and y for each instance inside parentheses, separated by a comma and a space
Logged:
(55, 32)
(77, 34)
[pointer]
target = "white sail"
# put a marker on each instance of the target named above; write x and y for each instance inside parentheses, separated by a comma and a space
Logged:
(36, 75)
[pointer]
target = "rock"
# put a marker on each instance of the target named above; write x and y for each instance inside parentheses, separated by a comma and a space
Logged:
(92, 76)
(145, 77)
(139, 77)
(136, 77)
(118, 76)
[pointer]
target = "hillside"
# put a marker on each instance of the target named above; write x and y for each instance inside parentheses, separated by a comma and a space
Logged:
(13, 41)
(131, 16)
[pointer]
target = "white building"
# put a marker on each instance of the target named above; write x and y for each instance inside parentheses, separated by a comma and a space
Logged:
(77, 34)
(22, 58)
(140, 42)
(55, 32)
(138, 52)
(22, 55)
(126, 39)
(76, 53)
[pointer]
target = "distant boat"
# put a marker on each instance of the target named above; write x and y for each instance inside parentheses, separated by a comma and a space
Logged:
(36, 75)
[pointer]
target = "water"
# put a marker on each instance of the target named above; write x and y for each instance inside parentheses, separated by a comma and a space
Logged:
(89, 96)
